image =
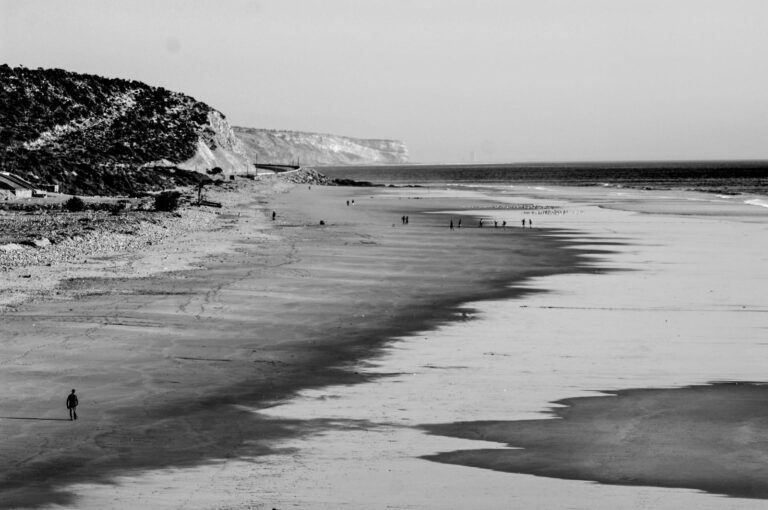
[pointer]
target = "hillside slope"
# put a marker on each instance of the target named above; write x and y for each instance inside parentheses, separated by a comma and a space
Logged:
(104, 136)
(274, 146)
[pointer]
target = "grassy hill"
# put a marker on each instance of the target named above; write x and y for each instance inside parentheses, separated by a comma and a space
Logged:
(98, 135)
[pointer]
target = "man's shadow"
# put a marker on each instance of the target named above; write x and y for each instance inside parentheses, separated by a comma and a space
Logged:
(28, 418)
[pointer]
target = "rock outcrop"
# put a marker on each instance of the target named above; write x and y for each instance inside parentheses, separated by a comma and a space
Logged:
(316, 149)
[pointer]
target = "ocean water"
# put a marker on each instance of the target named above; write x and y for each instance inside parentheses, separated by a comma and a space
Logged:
(713, 176)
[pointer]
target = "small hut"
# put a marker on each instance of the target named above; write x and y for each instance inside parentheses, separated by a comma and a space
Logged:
(14, 183)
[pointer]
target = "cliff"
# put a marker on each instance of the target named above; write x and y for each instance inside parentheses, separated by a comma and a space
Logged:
(98, 135)
(274, 146)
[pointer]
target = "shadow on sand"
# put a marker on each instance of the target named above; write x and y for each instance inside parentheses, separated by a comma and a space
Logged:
(32, 418)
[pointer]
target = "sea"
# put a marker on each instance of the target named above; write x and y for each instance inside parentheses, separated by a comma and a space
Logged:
(707, 176)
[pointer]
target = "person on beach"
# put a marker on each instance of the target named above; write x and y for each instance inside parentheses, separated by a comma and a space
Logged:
(402, 220)
(72, 405)
(451, 224)
(530, 223)
(480, 223)
(347, 203)
(523, 222)
(504, 224)
(495, 224)
(274, 215)
(406, 218)
(459, 225)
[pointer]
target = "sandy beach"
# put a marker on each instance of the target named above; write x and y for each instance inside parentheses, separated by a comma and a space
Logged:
(368, 363)
(168, 367)
(624, 358)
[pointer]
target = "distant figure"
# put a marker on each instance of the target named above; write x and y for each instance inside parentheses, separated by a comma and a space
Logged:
(451, 224)
(480, 223)
(406, 218)
(353, 202)
(530, 223)
(72, 405)
(504, 224)
(402, 220)
(459, 223)
(274, 215)
(523, 222)
(347, 203)
(495, 224)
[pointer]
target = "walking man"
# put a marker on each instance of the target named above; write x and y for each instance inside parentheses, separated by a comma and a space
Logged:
(72, 405)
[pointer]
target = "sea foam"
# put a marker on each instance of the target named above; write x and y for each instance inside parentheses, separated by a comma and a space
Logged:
(757, 201)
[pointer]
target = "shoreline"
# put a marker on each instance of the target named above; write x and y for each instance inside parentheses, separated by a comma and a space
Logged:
(673, 404)
(288, 308)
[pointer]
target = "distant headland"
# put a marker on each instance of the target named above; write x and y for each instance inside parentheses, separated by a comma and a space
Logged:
(94, 135)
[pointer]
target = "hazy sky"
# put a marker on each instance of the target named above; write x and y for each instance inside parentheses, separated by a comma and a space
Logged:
(505, 80)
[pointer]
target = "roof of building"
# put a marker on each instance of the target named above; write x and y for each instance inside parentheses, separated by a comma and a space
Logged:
(15, 182)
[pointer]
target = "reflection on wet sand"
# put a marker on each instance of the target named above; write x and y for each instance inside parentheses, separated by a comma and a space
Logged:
(710, 438)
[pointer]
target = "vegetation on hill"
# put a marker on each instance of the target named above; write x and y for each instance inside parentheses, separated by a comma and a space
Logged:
(92, 135)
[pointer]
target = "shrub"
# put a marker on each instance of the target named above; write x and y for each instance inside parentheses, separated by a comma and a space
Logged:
(118, 207)
(74, 204)
(167, 201)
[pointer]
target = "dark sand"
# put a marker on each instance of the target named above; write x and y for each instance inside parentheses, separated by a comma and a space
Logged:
(160, 363)
(711, 438)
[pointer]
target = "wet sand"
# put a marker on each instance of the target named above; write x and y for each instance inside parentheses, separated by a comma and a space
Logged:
(163, 365)
(668, 313)
(652, 344)
(709, 438)
(661, 311)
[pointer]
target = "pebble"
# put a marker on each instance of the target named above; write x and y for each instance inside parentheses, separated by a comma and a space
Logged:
(61, 239)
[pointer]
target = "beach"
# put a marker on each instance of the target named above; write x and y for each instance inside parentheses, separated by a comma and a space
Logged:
(641, 324)
(624, 359)
(369, 363)
(168, 367)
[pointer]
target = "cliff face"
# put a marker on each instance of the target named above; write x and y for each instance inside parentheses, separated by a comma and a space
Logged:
(273, 146)
(98, 135)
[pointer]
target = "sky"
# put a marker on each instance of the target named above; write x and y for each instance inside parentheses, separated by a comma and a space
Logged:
(457, 80)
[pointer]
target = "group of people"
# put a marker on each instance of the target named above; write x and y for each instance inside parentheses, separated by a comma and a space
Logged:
(481, 223)
(458, 225)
